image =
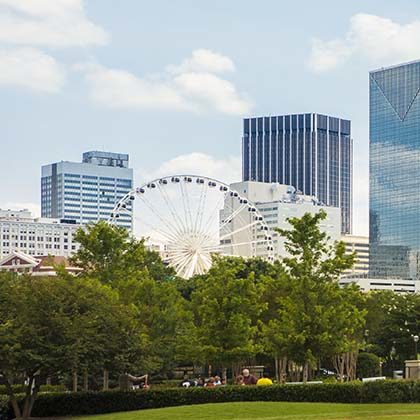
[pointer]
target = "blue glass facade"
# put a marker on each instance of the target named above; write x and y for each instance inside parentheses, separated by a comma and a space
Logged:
(394, 203)
(312, 152)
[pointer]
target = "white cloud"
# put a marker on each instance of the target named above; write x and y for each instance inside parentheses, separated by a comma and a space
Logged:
(121, 89)
(192, 91)
(377, 39)
(213, 92)
(34, 208)
(30, 68)
(53, 23)
(226, 170)
(203, 60)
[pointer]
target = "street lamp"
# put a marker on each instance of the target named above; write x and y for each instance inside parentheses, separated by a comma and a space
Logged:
(416, 340)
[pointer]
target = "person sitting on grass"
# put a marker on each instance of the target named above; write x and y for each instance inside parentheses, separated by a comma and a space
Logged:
(264, 381)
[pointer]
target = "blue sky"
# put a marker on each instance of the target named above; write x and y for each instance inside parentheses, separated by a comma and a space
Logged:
(169, 81)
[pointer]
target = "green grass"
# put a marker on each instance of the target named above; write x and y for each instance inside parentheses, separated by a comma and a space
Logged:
(271, 411)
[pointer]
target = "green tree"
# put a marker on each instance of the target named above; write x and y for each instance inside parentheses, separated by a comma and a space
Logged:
(226, 307)
(110, 253)
(309, 317)
(51, 325)
(141, 278)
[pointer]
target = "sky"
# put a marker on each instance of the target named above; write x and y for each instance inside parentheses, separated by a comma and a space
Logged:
(169, 82)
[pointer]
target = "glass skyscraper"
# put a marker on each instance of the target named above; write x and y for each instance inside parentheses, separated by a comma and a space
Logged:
(311, 152)
(394, 204)
(86, 191)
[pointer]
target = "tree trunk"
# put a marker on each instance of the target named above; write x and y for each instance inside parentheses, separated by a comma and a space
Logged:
(75, 381)
(224, 374)
(85, 380)
(277, 368)
(106, 380)
(305, 372)
(12, 398)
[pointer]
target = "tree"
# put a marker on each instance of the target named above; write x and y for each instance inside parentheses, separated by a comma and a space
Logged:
(226, 308)
(309, 317)
(109, 254)
(368, 365)
(51, 325)
(142, 279)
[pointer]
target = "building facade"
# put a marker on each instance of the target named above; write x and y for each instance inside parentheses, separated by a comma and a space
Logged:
(276, 203)
(359, 245)
(20, 231)
(86, 191)
(394, 199)
(311, 152)
(367, 284)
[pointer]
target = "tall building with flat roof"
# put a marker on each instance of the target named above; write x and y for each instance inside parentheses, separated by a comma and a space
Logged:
(394, 198)
(311, 152)
(86, 191)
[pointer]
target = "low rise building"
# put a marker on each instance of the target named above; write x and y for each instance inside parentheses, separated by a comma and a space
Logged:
(20, 231)
(45, 265)
(276, 203)
(368, 284)
(359, 245)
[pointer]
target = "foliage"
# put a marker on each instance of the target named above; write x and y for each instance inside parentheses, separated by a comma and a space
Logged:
(109, 253)
(309, 317)
(67, 404)
(368, 365)
(49, 325)
(226, 307)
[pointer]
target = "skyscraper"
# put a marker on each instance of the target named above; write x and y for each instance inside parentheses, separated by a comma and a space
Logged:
(394, 204)
(86, 191)
(311, 152)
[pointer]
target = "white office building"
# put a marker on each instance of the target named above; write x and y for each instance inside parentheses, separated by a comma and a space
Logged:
(359, 245)
(367, 284)
(276, 203)
(86, 191)
(20, 231)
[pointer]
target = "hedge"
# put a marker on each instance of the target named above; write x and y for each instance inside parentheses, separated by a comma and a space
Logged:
(82, 403)
(43, 388)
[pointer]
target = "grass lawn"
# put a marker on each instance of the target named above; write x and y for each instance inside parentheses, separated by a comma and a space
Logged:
(271, 411)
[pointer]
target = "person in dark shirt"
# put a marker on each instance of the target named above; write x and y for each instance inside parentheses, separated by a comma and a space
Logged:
(248, 378)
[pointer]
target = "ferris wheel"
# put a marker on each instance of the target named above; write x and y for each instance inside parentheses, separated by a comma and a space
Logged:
(187, 218)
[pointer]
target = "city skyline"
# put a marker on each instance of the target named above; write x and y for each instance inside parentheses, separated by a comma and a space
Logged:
(108, 86)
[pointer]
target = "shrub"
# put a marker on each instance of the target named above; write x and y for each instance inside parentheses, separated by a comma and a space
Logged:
(83, 403)
(18, 389)
(368, 365)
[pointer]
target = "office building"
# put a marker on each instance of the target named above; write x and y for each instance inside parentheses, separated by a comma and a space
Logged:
(276, 203)
(368, 284)
(360, 246)
(20, 231)
(311, 152)
(86, 191)
(394, 198)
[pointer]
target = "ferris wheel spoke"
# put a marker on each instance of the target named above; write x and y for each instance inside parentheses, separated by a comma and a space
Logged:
(172, 210)
(169, 236)
(234, 213)
(186, 204)
(215, 212)
(233, 244)
(201, 206)
(238, 230)
(160, 217)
